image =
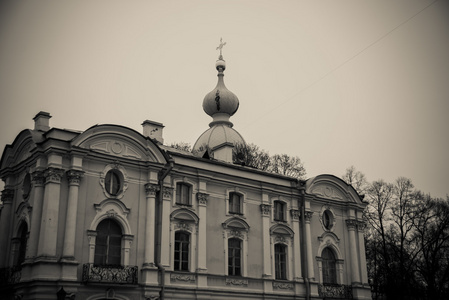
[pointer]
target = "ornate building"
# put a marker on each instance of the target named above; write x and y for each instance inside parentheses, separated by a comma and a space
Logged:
(110, 213)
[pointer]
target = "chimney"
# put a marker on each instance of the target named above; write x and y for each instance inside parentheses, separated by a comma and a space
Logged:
(153, 130)
(42, 121)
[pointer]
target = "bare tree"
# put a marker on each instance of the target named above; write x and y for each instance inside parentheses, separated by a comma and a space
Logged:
(182, 146)
(287, 165)
(357, 179)
(250, 155)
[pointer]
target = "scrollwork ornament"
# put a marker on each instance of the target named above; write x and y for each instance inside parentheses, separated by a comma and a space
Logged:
(151, 189)
(351, 224)
(74, 176)
(265, 208)
(308, 216)
(361, 225)
(7, 195)
(38, 177)
(295, 214)
(167, 192)
(202, 198)
(53, 175)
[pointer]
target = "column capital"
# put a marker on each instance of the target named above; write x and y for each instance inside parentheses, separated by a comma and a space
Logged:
(151, 189)
(361, 225)
(53, 175)
(308, 216)
(202, 198)
(167, 192)
(265, 208)
(38, 178)
(295, 214)
(351, 224)
(74, 176)
(7, 195)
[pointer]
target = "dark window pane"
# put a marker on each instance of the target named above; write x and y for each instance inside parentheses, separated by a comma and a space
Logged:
(329, 266)
(280, 261)
(108, 242)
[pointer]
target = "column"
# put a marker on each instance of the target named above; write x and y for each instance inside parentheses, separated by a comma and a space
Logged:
(165, 238)
(74, 178)
(353, 250)
(151, 191)
(307, 218)
(296, 245)
(36, 214)
(202, 242)
(5, 221)
(266, 209)
(50, 212)
(363, 272)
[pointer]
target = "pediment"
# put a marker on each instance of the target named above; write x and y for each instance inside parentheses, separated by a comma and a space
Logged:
(119, 141)
(327, 191)
(21, 149)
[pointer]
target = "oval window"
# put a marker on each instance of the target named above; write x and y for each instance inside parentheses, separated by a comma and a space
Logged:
(327, 219)
(113, 182)
(26, 186)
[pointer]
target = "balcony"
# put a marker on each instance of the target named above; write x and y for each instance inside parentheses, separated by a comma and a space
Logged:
(10, 275)
(335, 291)
(110, 274)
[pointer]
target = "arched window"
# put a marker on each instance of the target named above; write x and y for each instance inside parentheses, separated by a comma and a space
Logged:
(234, 257)
(183, 194)
(182, 251)
(279, 211)
(280, 261)
(329, 266)
(235, 205)
(113, 182)
(22, 244)
(108, 243)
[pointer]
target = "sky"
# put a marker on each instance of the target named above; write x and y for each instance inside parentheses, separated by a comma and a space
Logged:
(336, 83)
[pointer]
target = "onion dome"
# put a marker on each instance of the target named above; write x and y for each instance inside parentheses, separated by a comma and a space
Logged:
(220, 104)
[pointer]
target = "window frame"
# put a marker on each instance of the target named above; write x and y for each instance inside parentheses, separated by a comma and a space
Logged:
(329, 266)
(279, 208)
(180, 188)
(178, 264)
(232, 250)
(280, 261)
(107, 257)
(233, 196)
(109, 182)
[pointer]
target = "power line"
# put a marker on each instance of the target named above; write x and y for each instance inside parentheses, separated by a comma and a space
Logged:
(342, 64)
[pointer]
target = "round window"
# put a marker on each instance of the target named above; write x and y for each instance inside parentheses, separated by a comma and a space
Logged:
(26, 186)
(113, 182)
(327, 219)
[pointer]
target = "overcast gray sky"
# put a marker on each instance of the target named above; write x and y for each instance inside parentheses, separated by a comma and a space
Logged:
(337, 83)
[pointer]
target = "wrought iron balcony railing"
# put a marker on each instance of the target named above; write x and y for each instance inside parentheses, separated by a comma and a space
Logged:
(10, 275)
(110, 274)
(335, 291)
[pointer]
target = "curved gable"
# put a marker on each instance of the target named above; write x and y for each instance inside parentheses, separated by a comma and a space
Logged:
(331, 187)
(21, 148)
(119, 141)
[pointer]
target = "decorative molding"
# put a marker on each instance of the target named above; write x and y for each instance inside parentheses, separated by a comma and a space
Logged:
(151, 189)
(265, 208)
(236, 282)
(53, 175)
(183, 277)
(327, 191)
(352, 224)
(295, 213)
(361, 225)
(183, 226)
(74, 176)
(282, 286)
(308, 216)
(38, 177)
(332, 220)
(7, 195)
(167, 192)
(281, 239)
(236, 233)
(202, 198)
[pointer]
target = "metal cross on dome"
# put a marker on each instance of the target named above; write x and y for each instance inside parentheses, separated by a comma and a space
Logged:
(221, 46)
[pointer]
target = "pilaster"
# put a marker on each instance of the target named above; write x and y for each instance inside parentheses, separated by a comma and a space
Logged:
(307, 218)
(351, 224)
(167, 194)
(5, 221)
(38, 180)
(296, 246)
(361, 225)
(50, 212)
